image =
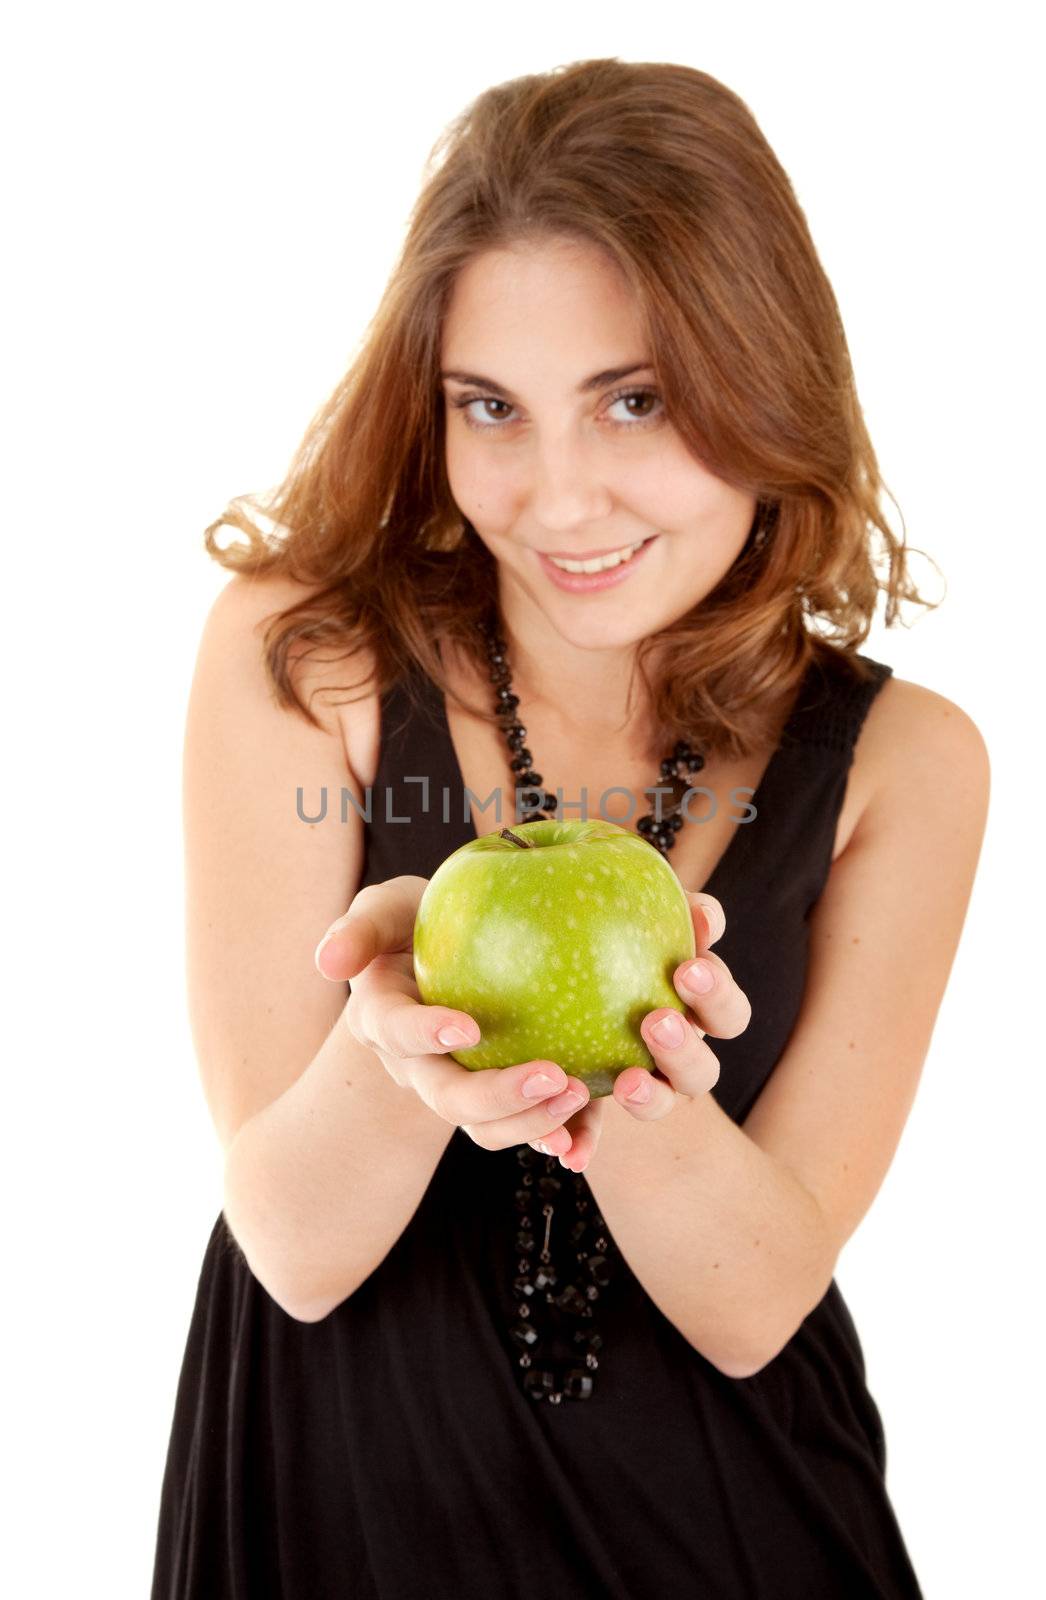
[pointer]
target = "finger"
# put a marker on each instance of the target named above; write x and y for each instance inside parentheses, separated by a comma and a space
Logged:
(687, 1066)
(384, 1012)
(720, 1006)
(400, 1026)
(647, 1096)
(710, 926)
(584, 1130)
(380, 918)
(542, 1120)
(471, 1099)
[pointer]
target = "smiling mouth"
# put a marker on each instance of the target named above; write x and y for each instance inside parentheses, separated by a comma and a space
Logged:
(600, 563)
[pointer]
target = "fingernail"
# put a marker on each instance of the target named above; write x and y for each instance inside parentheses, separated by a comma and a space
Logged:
(699, 976)
(539, 1085)
(668, 1030)
(641, 1093)
(324, 942)
(569, 1102)
(453, 1038)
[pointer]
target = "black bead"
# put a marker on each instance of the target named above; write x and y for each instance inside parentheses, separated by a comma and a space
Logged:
(645, 825)
(675, 822)
(507, 701)
(668, 768)
(597, 1266)
(695, 763)
(516, 738)
(521, 761)
(570, 1300)
(682, 750)
(532, 816)
(529, 780)
(577, 1385)
(588, 1339)
(539, 1382)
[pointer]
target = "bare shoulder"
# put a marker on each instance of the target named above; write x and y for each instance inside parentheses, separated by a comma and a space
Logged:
(249, 604)
(917, 745)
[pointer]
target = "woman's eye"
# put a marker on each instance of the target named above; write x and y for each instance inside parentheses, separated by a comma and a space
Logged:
(468, 402)
(632, 419)
(642, 395)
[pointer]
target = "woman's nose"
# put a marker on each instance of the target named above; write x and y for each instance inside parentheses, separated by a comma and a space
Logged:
(567, 487)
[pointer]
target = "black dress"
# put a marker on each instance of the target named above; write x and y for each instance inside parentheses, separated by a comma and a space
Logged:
(390, 1450)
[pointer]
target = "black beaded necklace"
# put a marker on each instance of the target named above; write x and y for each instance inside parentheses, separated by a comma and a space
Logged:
(676, 769)
(541, 1180)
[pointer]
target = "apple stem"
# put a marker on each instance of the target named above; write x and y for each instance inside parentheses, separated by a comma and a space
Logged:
(514, 838)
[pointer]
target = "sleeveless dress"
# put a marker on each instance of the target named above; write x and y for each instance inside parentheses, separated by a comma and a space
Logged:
(389, 1452)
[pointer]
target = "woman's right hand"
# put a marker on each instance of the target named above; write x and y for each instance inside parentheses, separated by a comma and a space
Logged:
(496, 1106)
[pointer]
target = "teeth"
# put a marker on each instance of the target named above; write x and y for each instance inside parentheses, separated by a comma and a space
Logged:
(599, 563)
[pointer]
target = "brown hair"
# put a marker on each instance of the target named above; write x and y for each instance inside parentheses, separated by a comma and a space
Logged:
(666, 171)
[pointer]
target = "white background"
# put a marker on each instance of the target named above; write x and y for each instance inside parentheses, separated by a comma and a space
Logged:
(204, 205)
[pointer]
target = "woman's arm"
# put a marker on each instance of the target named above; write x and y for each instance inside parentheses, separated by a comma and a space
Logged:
(321, 1145)
(321, 1183)
(735, 1232)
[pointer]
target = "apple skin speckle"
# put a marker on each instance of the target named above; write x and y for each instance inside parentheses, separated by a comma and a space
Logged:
(486, 943)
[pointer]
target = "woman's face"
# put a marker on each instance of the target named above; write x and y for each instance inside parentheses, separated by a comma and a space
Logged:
(550, 453)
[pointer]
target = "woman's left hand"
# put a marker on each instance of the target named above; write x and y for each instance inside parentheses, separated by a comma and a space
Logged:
(685, 1067)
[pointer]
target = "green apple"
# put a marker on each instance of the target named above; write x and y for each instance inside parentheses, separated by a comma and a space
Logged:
(558, 938)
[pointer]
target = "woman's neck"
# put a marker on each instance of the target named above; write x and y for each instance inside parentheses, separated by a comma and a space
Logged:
(593, 692)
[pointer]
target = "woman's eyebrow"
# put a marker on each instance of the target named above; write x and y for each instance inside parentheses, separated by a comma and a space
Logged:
(597, 381)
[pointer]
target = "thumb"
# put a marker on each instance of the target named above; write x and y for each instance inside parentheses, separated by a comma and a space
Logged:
(379, 921)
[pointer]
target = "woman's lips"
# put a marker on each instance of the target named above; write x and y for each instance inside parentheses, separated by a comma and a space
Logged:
(588, 582)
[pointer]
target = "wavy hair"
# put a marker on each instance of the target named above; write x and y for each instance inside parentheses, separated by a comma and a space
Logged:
(665, 170)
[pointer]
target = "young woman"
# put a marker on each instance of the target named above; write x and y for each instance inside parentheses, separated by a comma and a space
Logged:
(595, 517)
